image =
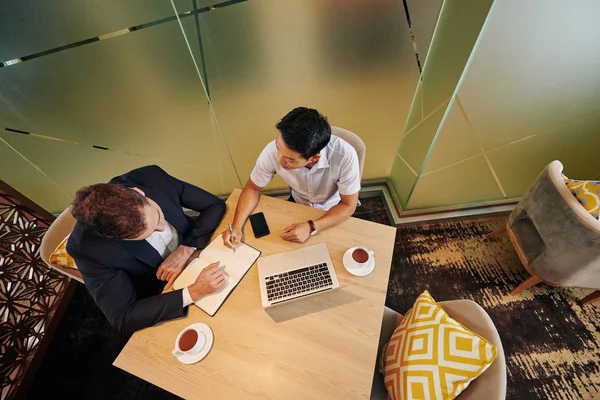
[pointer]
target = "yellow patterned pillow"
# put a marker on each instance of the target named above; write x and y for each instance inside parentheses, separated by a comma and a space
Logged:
(60, 256)
(431, 356)
(587, 193)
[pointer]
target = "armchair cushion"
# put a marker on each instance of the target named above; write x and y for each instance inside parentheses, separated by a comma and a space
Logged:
(60, 256)
(587, 194)
(432, 356)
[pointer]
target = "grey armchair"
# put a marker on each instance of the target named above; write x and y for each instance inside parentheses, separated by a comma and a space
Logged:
(556, 239)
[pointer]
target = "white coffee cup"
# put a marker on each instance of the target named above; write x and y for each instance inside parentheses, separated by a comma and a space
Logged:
(200, 340)
(360, 257)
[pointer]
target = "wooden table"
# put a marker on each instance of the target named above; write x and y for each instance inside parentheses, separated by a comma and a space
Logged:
(321, 347)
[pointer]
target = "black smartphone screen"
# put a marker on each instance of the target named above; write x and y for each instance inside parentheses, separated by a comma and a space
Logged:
(259, 225)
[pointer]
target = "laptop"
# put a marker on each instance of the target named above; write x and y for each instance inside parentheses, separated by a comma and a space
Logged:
(299, 273)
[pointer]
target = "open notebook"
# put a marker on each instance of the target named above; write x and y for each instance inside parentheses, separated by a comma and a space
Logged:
(236, 265)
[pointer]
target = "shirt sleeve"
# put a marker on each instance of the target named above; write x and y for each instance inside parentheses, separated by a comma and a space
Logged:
(264, 170)
(187, 299)
(349, 182)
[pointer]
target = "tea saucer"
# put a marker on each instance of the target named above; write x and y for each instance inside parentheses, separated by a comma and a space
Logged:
(354, 270)
(208, 336)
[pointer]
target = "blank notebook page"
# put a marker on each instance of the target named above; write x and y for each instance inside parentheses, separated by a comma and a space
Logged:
(236, 265)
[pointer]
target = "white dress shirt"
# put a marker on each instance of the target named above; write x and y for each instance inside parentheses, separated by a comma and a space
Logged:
(165, 243)
(337, 172)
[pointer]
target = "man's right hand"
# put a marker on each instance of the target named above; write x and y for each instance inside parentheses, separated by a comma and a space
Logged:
(210, 280)
(228, 240)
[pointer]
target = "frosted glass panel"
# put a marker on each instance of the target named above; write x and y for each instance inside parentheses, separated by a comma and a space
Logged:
(575, 145)
(415, 145)
(458, 27)
(402, 179)
(454, 143)
(533, 70)
(74, 166)
(464, 183)
(423, 16)
(32, 26)
(416, 111)
(351, 60)
(28, 180)
(138, 93)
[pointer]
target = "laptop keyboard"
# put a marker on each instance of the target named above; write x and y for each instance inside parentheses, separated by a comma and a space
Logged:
(297, 281)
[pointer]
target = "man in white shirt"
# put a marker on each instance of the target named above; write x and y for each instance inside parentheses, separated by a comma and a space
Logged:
(321, 170)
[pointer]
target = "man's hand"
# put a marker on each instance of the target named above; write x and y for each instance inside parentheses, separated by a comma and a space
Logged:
(296, 233)
(210, 280)
(173, 265)
(228, 240)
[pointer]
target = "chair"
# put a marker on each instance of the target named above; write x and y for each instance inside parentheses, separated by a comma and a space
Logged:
(355, 141)
(556, 239)
(58, 230)
(491, 385)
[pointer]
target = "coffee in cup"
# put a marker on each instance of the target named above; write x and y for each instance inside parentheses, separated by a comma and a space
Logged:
(360, 255)
(189, 341)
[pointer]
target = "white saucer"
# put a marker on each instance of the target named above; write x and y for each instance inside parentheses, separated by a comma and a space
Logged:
(358, 271)
(208, 335)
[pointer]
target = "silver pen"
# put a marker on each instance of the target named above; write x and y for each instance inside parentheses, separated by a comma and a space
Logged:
(231, 237)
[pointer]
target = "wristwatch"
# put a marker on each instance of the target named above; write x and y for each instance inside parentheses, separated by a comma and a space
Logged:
(313, 228)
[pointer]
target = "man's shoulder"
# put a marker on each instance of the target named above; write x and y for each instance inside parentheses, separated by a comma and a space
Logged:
(270, 148)
(340, 149)
(269, 152)
(146, 174)
(83, 243)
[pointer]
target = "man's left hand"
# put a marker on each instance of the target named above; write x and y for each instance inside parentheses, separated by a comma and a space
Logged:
(297, 233)
(173, 265)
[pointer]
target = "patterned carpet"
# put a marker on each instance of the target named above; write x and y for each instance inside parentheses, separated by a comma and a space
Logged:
(552, 344)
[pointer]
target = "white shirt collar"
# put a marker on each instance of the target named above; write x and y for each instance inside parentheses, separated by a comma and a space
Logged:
(323, 160)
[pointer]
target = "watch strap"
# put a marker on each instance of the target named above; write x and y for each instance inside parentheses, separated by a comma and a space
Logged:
(313, 227)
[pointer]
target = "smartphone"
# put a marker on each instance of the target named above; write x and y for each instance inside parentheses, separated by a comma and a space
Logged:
(259, 225)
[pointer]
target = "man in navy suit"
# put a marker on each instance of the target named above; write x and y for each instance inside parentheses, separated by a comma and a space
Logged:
(132, 240)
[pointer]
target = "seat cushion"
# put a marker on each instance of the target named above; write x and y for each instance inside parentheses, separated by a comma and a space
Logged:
(587, 194)
(60, 256)
(432, 356)
(490, 385)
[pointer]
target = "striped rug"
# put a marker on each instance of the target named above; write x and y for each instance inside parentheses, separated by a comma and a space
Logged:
(552, 344)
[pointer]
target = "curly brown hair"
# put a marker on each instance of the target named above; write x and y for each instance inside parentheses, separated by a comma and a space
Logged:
(111, 211)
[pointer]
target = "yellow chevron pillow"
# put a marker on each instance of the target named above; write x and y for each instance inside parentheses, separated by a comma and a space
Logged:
(60, 256)
(431, 356)
(587, 193)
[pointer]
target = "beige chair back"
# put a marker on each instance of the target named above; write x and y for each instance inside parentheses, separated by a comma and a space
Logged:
(491, 385)
(355, 141)
(60, 228)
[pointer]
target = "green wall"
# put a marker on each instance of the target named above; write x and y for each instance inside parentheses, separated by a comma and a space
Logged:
(458, 26)
(530, 94)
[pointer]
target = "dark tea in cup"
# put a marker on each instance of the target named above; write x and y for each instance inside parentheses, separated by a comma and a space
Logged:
(188, 340)
(360, 256)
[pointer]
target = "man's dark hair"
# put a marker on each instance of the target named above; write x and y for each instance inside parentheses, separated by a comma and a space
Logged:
(110, 211)
(305, 131)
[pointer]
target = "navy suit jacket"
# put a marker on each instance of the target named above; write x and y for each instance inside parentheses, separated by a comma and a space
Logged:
(121, 274)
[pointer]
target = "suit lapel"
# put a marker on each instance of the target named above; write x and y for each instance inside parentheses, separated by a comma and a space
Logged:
(142, 250)
(173, 215)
